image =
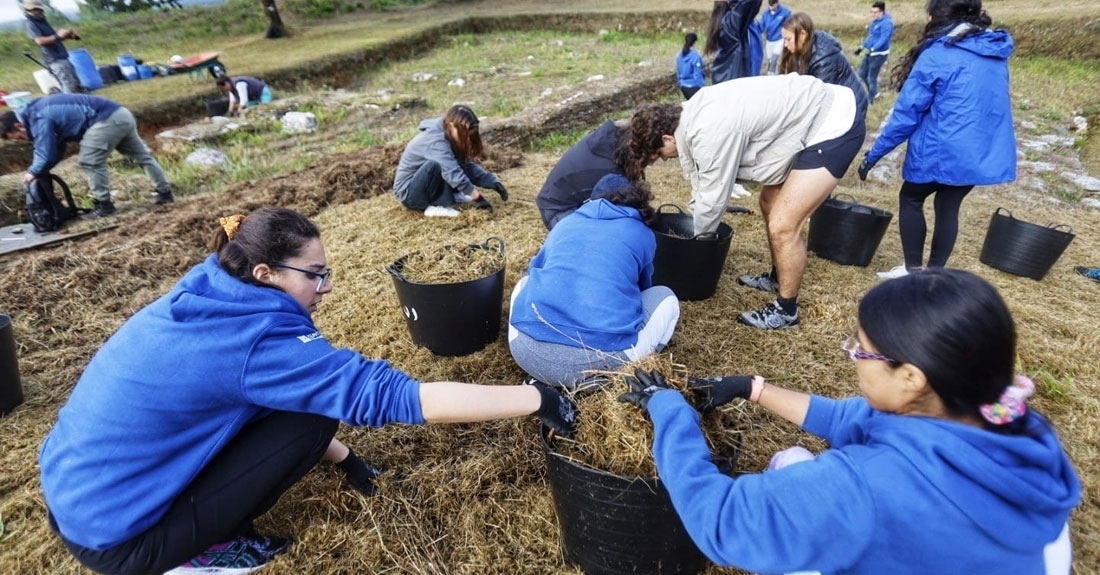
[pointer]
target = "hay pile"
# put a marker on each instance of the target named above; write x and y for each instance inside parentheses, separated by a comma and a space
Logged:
(617, 437)
(452, 264)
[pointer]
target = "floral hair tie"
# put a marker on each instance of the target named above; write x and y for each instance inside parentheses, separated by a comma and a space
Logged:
(230, 224)
(1013, 402)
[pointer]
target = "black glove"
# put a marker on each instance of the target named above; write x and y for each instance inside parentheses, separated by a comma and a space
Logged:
(482, 204)
(864, 167)
(712, 392)
(500, 189)
(858, 51)
(556, 411)
(642, 387)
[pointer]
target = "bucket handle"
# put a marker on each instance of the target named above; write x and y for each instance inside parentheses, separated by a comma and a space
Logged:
(392, 269)
(711, 236)
(1060, 226)
(499, 241)
(679, 210)
(999, 209)
(851, 199)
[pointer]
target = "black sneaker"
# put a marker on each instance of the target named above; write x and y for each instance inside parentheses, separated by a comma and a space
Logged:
(100, 209)
(1091, 273)
(267, 545)
(162, 198)
(770, 316)
(763, 282)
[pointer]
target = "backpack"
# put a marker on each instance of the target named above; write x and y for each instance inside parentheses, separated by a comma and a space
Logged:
(46, 212)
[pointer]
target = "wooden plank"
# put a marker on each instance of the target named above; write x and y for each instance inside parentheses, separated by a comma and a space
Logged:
(21, 237)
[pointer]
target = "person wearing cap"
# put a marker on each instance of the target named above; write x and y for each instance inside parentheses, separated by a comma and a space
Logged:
(49, 41)
(100, 126)
(588, 302)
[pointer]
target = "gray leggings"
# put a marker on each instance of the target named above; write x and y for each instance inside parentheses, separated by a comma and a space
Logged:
(568, 366)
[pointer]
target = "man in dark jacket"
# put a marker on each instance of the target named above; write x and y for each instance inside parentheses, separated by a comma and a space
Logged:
(54, 54)
(100, 126)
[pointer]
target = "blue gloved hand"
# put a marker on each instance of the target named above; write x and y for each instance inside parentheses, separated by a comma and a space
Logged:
(642, 387)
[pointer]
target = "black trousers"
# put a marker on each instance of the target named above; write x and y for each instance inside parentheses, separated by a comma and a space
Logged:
(914, 229)
(240, 484)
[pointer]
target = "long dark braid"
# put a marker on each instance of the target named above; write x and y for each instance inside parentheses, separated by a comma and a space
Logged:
(944, 15)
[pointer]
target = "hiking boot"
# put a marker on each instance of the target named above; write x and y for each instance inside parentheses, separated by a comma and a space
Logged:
(100, 209)
(770, 316)
(161, 198)
(894, 272)
(233, 557)
(1091, 273)
(763, 282)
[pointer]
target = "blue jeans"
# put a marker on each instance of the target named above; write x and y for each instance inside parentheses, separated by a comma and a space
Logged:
(868, 73)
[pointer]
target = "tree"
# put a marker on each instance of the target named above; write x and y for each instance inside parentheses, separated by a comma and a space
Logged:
(276, 28)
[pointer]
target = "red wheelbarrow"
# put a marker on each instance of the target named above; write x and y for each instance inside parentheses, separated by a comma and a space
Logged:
(195, 64)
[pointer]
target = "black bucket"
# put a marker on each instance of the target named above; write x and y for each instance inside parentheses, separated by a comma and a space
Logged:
(11, 391)
(847, 232)
(689, 264)
(217, 107)
(1023, 248)
(614, 524)
(454, 318)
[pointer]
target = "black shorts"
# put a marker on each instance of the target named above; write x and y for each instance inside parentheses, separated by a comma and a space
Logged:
(834, 155)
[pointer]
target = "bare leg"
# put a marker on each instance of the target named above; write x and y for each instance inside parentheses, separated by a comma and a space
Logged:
(336, 451)
(785, 215)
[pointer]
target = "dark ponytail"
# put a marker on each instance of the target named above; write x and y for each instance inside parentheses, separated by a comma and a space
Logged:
(943, 15)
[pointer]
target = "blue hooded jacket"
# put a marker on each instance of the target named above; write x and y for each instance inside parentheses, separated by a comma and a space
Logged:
(955, 110)
(689, 69)
(734, 58)
(53, 121)
(895, 494)
(585, 285)
(773, 22)
(879, 34)
(178, 381)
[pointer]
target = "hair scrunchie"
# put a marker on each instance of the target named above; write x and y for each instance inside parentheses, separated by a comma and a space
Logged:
(1013, 402)
(230, 224)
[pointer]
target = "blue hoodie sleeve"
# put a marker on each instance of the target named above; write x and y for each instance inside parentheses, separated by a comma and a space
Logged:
(779, 521)
(47, 146)
(292, 371)
(878, 38)
(913, 104)
(479, 176)
(838, 421)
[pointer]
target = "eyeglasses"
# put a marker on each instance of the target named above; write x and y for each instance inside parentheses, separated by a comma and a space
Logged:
(322, 277)
(852, 347)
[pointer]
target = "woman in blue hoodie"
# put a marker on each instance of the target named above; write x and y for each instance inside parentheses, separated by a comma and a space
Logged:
(689, 67)
(939, 467)
(208, 404)
(588, 301)
(955, 110)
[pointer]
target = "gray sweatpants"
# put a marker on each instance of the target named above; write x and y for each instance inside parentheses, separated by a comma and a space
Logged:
(117, 132)
(65, 73)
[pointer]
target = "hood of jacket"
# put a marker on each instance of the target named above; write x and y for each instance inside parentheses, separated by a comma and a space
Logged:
(601, 209)
(825, 46)
(988, 44)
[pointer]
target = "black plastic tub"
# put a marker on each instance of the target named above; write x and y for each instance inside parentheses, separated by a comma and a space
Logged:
(617, 525)
(687, 263)
(217, 107)
(11, 390)
(847, 232)
(1023, 248)
(452, 319)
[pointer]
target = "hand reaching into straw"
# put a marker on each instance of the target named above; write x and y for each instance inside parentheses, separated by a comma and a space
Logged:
(643, 386)
(712, 392)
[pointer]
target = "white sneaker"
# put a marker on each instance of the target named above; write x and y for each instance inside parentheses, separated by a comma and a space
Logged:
(440, 212)
(894, 272)
(740, 191)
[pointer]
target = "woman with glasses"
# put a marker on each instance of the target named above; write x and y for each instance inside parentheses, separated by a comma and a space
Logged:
(207, 405)
(940, 466)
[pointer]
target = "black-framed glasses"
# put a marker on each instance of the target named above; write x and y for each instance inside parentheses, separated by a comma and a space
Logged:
(322, 277)
(855, 352)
